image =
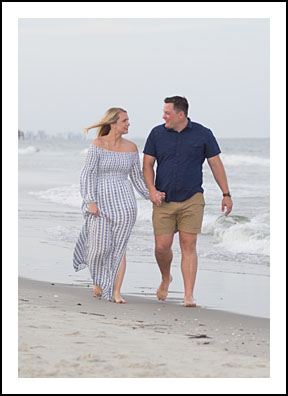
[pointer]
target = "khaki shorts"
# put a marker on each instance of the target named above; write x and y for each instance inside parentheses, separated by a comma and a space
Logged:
(184, 216)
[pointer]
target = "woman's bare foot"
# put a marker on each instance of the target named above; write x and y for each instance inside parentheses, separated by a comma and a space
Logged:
(162, 291)
(118, 299)
(97, 291)
(189, 302)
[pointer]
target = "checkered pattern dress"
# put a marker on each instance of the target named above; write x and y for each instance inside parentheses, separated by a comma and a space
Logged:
(103, 240)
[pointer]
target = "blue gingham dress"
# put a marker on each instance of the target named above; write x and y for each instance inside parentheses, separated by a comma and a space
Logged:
(103, 240)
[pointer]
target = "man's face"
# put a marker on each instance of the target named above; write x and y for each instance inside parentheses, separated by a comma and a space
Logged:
(170, 116)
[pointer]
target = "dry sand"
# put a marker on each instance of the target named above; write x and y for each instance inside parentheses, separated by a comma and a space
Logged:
(65, 332)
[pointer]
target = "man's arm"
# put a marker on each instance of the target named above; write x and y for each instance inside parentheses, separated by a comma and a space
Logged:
(148, 172)
(219, 174)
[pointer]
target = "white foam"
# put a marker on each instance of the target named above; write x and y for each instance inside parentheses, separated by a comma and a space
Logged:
(238, 234)
(235, 234)
(246, 160)
(144, 213)
(70, 196)
(29, 150)
(67, 195)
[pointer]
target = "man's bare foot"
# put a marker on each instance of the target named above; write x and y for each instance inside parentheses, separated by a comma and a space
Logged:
(97, 291)
(162, 291)
(189, 302)
(118, 299)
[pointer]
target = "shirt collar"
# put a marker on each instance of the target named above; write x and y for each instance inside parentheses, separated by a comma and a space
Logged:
(189, 125)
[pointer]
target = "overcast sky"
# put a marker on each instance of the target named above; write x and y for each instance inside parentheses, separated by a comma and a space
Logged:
(72, 70)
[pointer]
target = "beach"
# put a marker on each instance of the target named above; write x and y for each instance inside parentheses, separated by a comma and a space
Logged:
(65, 332)
(233, 251)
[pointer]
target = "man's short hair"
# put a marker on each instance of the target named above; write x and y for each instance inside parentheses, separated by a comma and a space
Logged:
(180, 104)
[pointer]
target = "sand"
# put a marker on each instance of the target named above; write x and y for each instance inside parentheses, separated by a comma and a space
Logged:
(65, 332)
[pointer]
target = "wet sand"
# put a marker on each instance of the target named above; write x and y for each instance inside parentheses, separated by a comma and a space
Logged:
(65, 332)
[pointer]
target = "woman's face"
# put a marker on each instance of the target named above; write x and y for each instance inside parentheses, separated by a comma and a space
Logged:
(122, 124)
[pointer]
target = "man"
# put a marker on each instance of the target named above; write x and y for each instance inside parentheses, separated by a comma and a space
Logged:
(180, 147)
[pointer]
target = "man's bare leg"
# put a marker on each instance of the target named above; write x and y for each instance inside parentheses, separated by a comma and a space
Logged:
(188, 265)
(118, 282)
(164, 255)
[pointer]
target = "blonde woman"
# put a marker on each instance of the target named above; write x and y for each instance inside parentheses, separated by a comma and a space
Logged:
(109, 204)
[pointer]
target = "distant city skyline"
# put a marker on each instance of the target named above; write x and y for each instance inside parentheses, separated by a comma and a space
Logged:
(42, 135)
(72, 70)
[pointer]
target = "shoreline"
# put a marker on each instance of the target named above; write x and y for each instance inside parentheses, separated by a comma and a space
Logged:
(66, 332)
(244, 294)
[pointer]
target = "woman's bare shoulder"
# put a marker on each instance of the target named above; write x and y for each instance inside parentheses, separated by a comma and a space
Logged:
(98, 142)
(130, 145)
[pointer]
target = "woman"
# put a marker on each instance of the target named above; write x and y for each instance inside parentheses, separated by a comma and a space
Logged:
(109, 204)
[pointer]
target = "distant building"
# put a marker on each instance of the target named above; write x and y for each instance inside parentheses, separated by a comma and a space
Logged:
(41, 135)
(20, 135)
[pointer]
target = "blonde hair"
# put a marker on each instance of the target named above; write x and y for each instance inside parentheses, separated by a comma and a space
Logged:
(104, 125)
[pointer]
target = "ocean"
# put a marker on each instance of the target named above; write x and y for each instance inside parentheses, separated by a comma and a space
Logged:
(234, 251)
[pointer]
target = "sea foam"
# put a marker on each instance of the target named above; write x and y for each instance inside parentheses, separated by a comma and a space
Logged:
(70, 196)
(236, 234)
(67, 195)
(28, 150)
(239, 234)
(246, 160)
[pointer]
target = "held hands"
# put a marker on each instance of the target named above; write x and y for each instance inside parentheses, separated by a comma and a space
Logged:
(227, 201)
(93, 209)
(157, 197)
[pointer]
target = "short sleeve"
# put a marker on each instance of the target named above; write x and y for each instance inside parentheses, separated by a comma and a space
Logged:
(150, 148)
(211, 146)
(137, 178)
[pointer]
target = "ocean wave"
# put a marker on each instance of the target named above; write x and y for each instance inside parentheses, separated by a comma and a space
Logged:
(248, 160)
(70, 196)
(28, 150)
(235, 234)
(239, 234)
(144, 210)
(67, 195)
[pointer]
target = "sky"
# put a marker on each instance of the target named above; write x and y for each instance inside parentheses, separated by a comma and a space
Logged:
(71, 70)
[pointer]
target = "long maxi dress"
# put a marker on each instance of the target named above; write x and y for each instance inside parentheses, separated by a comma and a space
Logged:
(103, 239)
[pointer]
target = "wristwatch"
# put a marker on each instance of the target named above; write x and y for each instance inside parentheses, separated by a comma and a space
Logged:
(227, 194)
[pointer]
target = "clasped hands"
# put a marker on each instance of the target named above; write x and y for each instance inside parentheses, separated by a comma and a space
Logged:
(157, 197)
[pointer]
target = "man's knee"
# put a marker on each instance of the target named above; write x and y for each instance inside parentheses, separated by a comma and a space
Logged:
(188, 242)
(162, 249)
(163, 243)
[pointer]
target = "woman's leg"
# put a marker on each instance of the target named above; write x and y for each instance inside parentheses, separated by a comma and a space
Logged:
(98, 250)
(118, 281)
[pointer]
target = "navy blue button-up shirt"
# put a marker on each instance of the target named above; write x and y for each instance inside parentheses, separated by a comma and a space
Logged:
(180, 156)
